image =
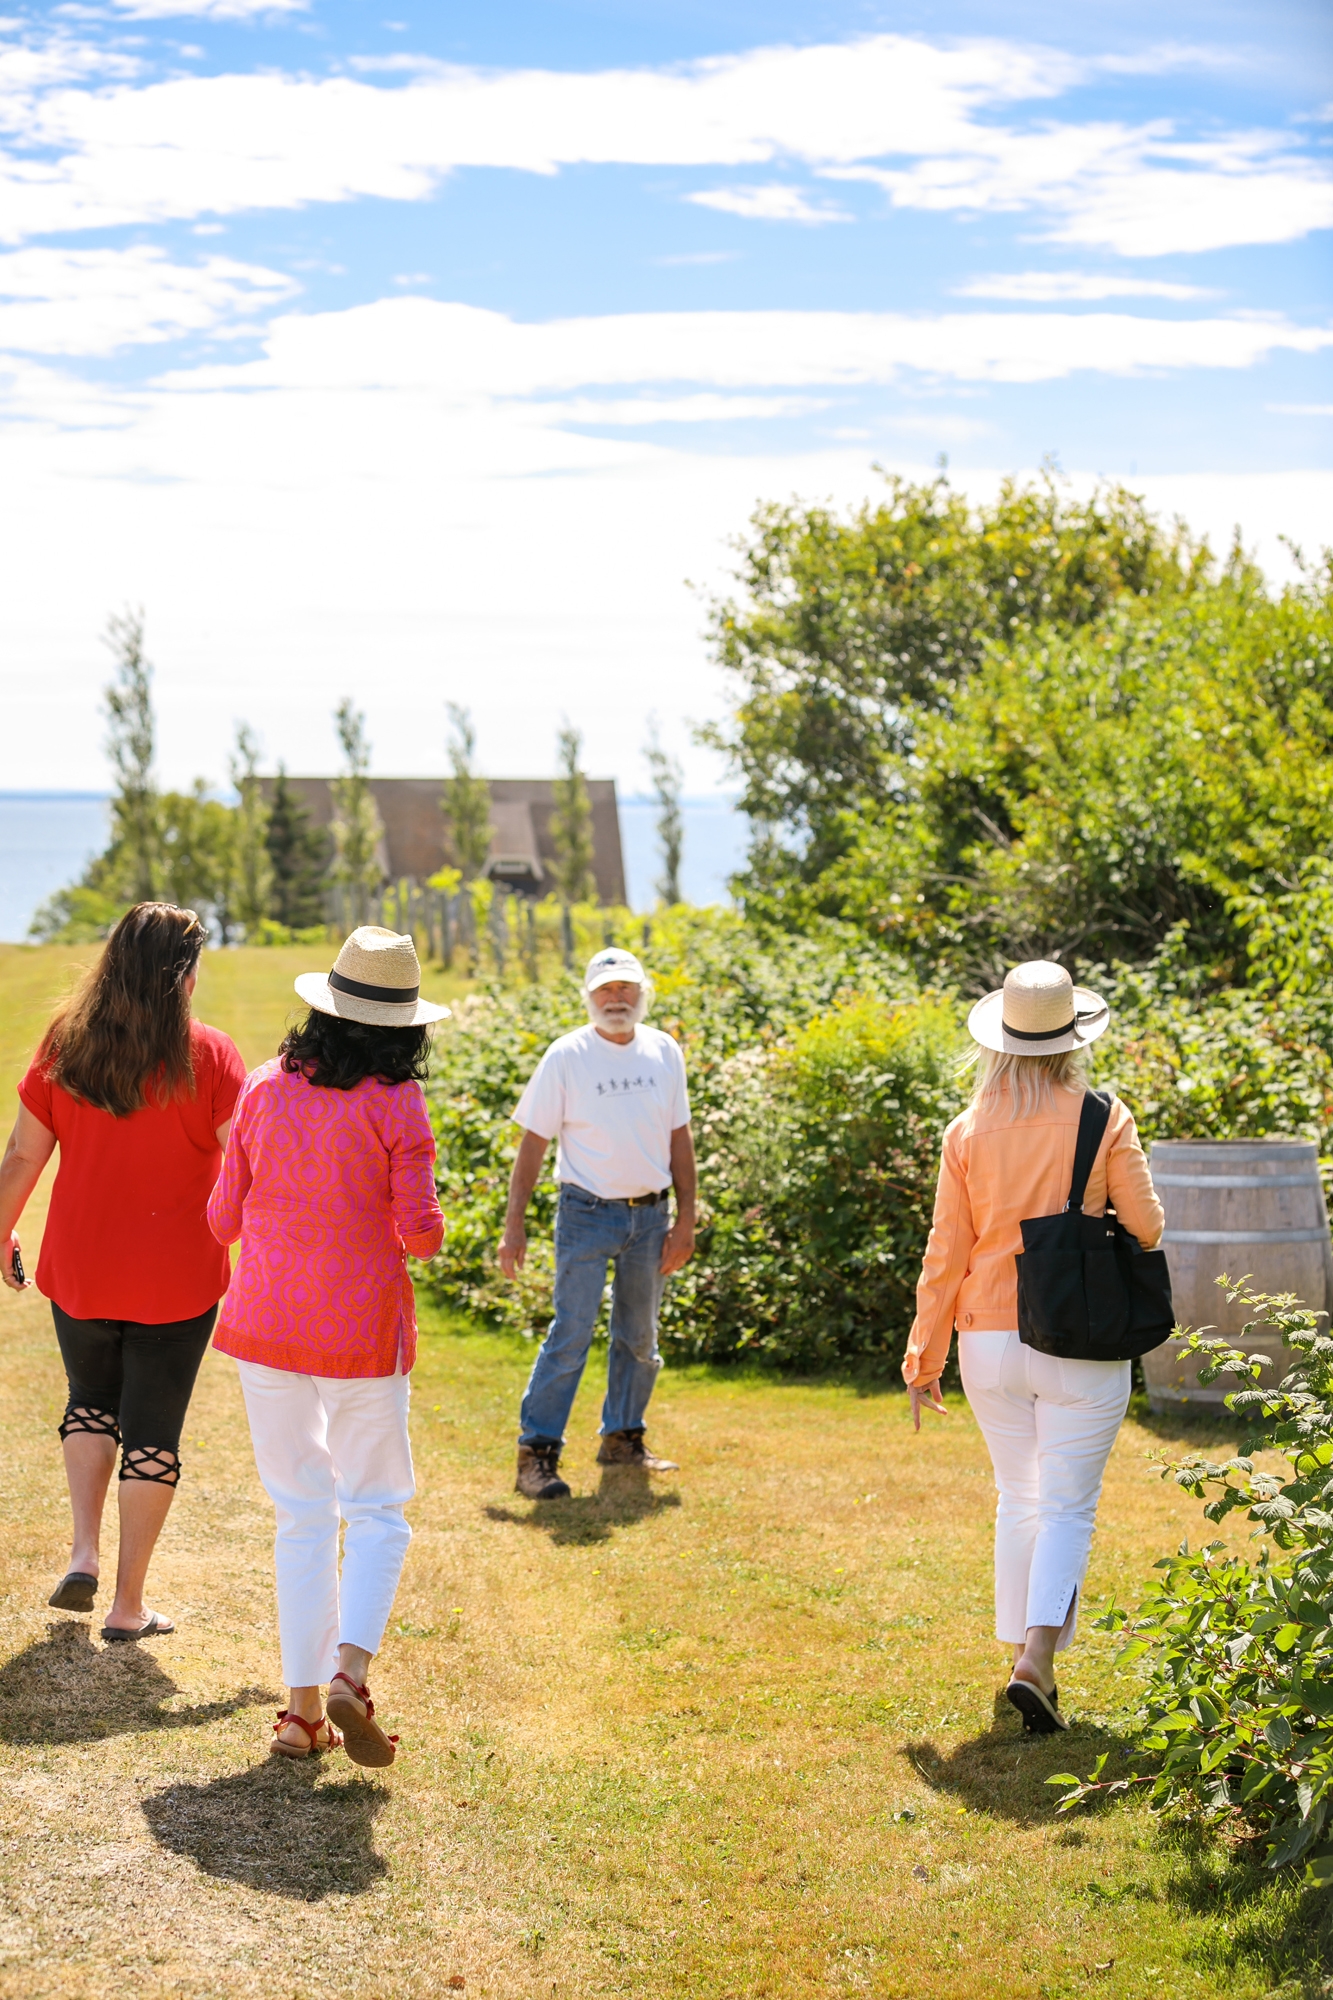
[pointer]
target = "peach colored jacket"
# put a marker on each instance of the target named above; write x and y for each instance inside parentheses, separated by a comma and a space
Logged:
(996, 1172)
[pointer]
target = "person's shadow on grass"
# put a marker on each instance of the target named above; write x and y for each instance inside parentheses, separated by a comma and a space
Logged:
(624, 1495)
(1003, 1771)
(63, 1689)
(280, 1827)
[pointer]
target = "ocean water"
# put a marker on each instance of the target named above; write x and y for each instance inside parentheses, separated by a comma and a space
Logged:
(48, 838)
(716, 837)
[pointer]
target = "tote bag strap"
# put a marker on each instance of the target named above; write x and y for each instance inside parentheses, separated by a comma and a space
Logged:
(1093, 1120)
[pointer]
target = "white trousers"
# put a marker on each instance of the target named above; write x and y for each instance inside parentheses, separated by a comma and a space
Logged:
(1049, 1426)
(327, 1450)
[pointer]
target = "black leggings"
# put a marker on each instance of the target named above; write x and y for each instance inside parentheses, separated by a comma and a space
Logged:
(132, 1382)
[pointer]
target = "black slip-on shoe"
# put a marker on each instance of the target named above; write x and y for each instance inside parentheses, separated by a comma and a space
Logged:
(74, 1592)
(1040, 1712)
(154, 1626)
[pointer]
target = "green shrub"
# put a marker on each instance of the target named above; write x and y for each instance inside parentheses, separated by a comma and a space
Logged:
(1194, 1062)
(820, 1156)
(1237, 1721)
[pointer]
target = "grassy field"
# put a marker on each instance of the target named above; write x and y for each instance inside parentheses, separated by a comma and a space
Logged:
(734, 1734)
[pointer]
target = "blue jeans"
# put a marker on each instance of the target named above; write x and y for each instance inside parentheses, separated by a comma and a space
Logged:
(589, 1235)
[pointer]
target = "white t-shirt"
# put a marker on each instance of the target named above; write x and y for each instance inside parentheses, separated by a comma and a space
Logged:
(612, 1107)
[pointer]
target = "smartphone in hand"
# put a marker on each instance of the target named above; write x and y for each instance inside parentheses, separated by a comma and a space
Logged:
(16, 1266)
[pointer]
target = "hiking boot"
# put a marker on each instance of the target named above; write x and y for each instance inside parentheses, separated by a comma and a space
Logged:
(628, 1448)
(539, 1473)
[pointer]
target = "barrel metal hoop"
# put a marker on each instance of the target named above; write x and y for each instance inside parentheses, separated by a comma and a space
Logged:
(1235, 1180)
(1245, 1235)
(1183, 1151)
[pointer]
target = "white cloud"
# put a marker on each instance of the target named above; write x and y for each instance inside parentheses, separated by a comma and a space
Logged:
(894, 109)
(773, 203)
(700, 257)
(303, 543)
(1300, 409)
(464, 352)
(703, 409)
(1041, 287)
(209, 10)
(89, 302)
(1134, 191)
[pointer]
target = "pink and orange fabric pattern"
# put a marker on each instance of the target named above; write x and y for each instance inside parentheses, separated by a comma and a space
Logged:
(328, 1191)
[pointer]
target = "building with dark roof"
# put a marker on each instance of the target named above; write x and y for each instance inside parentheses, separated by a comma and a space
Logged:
(522, 850)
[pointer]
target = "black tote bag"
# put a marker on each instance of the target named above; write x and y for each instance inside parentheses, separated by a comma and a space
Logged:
(1086, 1290)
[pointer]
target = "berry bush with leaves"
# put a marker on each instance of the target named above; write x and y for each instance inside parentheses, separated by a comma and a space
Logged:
(1237, 1721)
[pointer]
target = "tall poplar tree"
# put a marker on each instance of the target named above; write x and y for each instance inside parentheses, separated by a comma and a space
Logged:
(667, 779)
(131, 744)
(298, 856)
(467, 798)
(571, 824)
(253, 871)
(358, 831)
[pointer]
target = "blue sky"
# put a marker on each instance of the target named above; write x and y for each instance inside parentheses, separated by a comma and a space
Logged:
(423, 353)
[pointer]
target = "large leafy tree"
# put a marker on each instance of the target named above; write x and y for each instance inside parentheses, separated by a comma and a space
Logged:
(1087, 792)
(1044, 727)
(848, 633)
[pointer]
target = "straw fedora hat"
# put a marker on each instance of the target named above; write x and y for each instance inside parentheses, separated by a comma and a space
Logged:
(1038, 1012)
(376, 978)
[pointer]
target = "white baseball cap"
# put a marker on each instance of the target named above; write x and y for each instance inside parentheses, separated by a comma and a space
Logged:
(613, 963)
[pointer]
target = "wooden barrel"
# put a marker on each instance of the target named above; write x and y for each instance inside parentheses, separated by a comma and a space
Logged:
(1236, 1205)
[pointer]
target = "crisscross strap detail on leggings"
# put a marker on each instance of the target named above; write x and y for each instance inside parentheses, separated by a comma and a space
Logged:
(151, 1461)
(81, 1417)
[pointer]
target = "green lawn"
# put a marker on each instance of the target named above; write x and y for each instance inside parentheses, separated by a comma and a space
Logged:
(732, 1734)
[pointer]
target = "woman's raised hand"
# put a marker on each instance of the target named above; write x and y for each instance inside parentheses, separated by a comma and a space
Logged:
(925, 1397)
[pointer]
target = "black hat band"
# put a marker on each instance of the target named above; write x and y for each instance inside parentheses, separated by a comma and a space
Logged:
(1052, 1034)
(391, 996)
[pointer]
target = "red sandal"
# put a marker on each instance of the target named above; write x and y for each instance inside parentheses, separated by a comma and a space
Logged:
(277, 1748)
(363, 1739)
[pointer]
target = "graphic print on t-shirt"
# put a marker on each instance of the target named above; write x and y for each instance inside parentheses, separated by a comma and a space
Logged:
(613, 1106)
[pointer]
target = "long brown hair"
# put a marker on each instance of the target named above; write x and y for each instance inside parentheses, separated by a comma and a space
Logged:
(125, 1029)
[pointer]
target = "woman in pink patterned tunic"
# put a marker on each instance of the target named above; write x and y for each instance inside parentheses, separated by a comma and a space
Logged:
(328, 1181)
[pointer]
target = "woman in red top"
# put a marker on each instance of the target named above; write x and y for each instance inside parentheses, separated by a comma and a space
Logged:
(138, 1097)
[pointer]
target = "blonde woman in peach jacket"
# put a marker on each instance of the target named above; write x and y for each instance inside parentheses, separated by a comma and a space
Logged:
(1049, 1423)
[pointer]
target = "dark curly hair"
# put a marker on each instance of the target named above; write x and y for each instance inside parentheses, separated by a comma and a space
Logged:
(337, 1054)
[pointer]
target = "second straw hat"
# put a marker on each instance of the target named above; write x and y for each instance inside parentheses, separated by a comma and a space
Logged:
(1038, 1012)
(376, 978)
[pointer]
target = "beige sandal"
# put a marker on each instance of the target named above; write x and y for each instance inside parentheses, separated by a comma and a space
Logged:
(364, 1740)
(277, 1748)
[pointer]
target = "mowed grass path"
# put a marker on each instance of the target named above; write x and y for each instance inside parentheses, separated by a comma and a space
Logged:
(733, 1733)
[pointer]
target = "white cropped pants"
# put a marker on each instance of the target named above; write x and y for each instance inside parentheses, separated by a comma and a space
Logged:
(331, 1450)
(1049, 1426)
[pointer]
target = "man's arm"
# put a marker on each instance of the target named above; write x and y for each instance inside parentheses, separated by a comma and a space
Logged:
(527, 1165)
(679, 1245)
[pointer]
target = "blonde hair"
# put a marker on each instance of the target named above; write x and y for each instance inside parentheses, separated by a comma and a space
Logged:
(1028, 1082)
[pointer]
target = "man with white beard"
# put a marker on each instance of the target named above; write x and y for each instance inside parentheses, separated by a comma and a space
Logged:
(614, 1096)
